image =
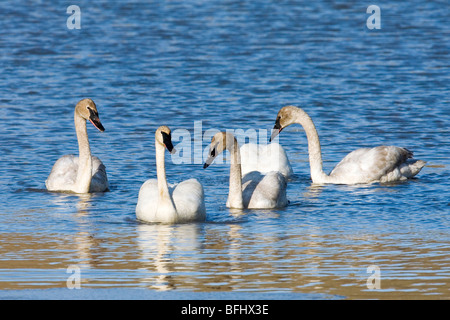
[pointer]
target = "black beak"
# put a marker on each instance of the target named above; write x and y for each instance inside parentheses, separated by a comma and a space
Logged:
(95, 120)
(276, 129)
(167, 139)
(212, 155)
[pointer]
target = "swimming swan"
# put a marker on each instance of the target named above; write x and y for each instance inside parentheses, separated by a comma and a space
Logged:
(253, 191)
(159, 202)
(84, 173)
(265, 158)
(365, 165)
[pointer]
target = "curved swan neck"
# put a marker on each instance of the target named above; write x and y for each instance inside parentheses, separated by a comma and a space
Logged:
(84, 174)
(314, 149)
(163, 188)
(235, 190)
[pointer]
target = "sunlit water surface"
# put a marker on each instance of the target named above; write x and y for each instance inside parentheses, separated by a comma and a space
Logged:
(195, 66)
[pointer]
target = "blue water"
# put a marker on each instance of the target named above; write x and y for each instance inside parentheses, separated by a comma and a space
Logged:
(226, 65)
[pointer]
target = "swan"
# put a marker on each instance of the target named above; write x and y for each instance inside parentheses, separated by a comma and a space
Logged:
(84, 173)
(365, 165)
(159, 202)
(253, 191)
(265, 158)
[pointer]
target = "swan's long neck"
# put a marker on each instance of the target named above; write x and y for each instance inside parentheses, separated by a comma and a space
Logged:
(235, 190)
(314, 150)
(165, 203)
(84, 174)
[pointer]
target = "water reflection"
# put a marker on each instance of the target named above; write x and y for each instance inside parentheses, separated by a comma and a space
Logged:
(235, 253)
(83, 204)
(84, 240)
(162, 248)
(313, 191)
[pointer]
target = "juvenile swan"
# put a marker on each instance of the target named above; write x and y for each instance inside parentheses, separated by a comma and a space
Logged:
(253, 191)
(83, 173)
(158, 202)
(365, 165)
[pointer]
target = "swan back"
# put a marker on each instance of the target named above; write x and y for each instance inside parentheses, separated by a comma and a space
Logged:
(265, 158)
(147, 205)
(188, 197)
(378, 164)
(99, 182)
(64, 175)
(267, 190)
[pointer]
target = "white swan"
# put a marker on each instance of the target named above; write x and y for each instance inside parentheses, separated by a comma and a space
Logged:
(159, 202)
(84, 173)
(366, 165)
(253, 191)
(265, 158)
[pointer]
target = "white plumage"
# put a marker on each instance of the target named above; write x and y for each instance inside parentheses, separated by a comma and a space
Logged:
(255, 190)
(187, 198)
(64, 174)
(265, 158)
(378, 164)
(163, 203)
(264, 191)
(84, 173)
(365, 165)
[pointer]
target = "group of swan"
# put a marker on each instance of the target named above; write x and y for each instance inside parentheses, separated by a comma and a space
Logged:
(258, 179)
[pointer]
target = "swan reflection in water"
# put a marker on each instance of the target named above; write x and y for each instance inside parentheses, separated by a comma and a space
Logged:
(166, 250)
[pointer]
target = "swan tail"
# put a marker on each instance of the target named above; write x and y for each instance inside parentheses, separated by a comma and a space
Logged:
(412, 168)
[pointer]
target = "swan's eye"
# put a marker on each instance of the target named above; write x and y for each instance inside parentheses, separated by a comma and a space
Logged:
(93, 114)
(213, 152)
(277, 123)
(166, 136)
(167, 141)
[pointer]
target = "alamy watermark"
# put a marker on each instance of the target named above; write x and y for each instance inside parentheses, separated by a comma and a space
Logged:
(74, 280)
(194, 148)
(374, 280)
(374, 21)
(74, 21)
